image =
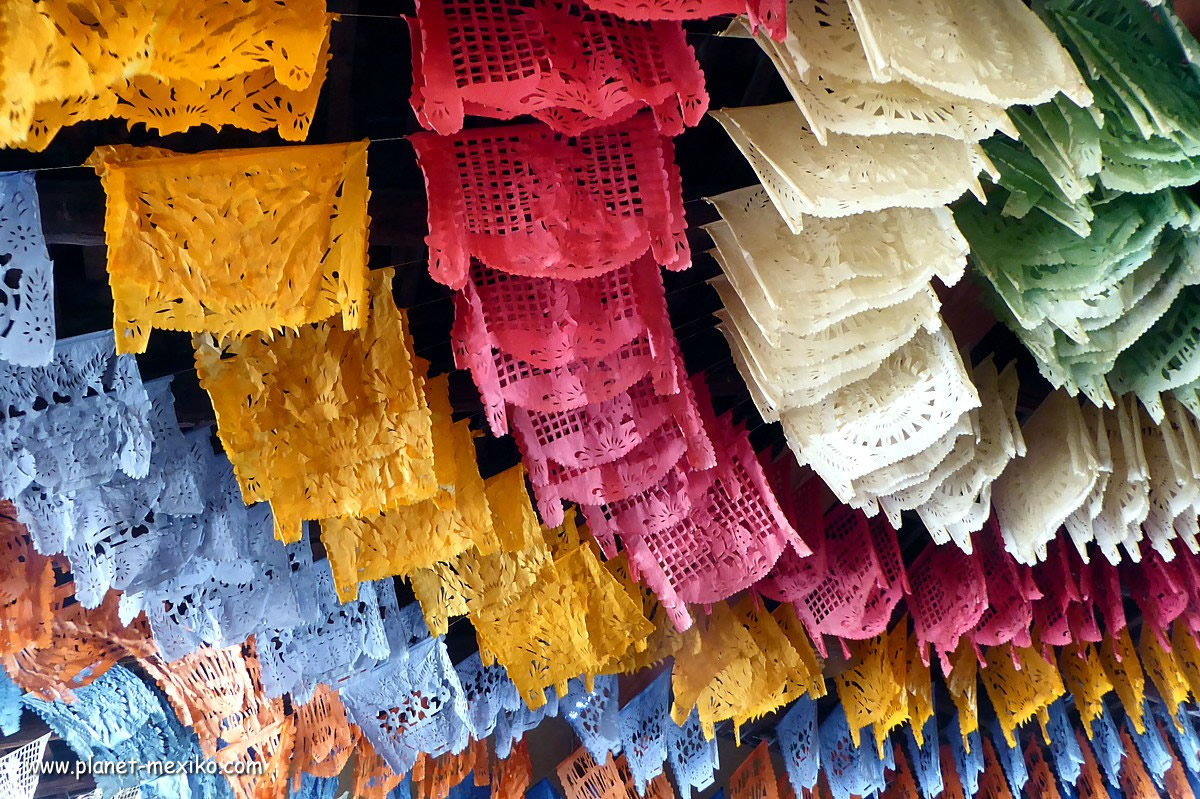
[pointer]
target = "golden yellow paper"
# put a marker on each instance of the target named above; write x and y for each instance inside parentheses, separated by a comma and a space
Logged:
(399, 541)
(554, 630)
(234, 242)
(661, 644)
(171, 63)
(476, 580)
(324, 421)
(742, 663)
(1121, 664)
(1019, 694)
(1164, 672)
(919, 687)
(1187, 655)
(963, 686)
(873, 690)
(1085, 678)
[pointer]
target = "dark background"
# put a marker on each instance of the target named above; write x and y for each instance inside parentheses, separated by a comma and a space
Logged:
(366, 96)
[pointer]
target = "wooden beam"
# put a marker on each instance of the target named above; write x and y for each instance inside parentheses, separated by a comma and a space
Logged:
(72, 209)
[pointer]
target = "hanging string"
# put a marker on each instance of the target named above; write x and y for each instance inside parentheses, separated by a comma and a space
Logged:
(86, 166)
(350, 15)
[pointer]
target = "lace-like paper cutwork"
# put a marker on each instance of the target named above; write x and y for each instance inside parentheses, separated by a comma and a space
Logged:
(916, 396)
(1135, 782)
(1176, 782)
(694, 758)
(219, 694)
(802, 283)
(948, 598)
(26, 587)
(359, 441)
(333, 641)
(1187, 654)
(796, 734)
(180, 269)
(410, 537)
(825, 67)
(218, 602)
(702, 536)
(26, 277)
(872, 691)
(1160, 591)
(1037, 493)
(373, 778)
(487, 691)
(1011, 592)
(443, 774)
(131, 534)
(1064, 749)
(982, 56)
(1172, 491)
(513, 775)
(582, 777)
(527, 340)
(19, 769)
(993, 784)
(664, 642)
(256, 100)
(411, 705)
(83, 645)
(743, 664)
(644, 723)
(832, 595)
(472, 580)
(1060, 595)
(755, 777)
(850, 770)
(119, 718)
(1084, 677)
(612, 450)
(1041, 778)
(570, 66)
(1021, 684)
(1124, 670)
(959, 505)
(926, 758)
(594, 714)
(967, 753)
(1090, 784)
(768, 15)
(173, 65)
(963, 687)
(527, 201)
(807, 178)
(1182, 731)
(323, 741)
(85, 387)
(582, 619)
(1125, 504)
(1164, 672)
(1016, 772)
(1150, 745)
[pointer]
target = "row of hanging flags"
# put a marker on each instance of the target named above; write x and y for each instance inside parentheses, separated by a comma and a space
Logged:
(138, 543)
(366, 680)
